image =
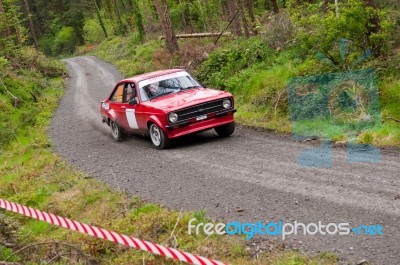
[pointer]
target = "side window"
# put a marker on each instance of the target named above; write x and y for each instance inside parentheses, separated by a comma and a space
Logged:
(118, 94)
(130, 92)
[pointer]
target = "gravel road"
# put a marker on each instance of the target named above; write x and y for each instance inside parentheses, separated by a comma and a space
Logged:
(252, 171)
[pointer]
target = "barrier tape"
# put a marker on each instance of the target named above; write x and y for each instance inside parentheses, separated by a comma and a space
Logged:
(107, 235)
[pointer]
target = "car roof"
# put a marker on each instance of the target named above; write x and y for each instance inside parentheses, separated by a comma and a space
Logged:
(145, 76)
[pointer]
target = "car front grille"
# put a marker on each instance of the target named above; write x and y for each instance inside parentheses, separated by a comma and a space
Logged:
(200, 109)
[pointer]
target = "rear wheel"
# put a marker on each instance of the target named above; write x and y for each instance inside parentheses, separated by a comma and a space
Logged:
(116, 131)
(158, 137)
(226, 129)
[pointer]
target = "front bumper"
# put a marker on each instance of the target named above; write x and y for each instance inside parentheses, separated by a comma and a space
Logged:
(193, 126)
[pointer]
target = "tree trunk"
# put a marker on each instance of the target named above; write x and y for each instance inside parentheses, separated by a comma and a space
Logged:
(2, 11)
(249, 5)
(244, 19)
(202, 15)
(324, 6)
(275, 7)
(17, 25)
(138, 20)
(100, 19)
(236, 23)
(250, 8)
(121, 25)
(146, 13)
(37, 19)
(337, 8)
(166, 24)
(267, 4)
(199, 35)
(375, 21)
(7, 28)
(31, 27)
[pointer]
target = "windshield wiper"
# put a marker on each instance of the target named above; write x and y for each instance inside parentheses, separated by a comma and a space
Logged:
(159, 95)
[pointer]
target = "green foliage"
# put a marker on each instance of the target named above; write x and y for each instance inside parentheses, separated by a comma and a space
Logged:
(189, 14)
(7, 131)
(138, 20)
(131, 57)
(319, 30)
(6, 252)
(33, 60)
(12, 33)
(93, 32)
(24, 75)
(59, 25)
(4, 65)
(65, 41)
(231, 59)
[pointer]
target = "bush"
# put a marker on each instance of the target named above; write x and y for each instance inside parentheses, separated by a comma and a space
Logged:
(320, 29)
(279, 31)
(4, 65)
(32, 59)
(65, 41)
(226, 62)
(93, 33)
(7, 132)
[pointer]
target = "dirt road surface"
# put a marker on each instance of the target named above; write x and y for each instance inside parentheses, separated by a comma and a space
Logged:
(252, 171)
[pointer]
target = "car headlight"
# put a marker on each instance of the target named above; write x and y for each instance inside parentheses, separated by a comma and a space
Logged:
(105, 105)
(226, 103)
(173, 117)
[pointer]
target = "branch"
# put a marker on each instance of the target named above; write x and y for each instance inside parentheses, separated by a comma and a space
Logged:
(278, 99)
(87, 257)
(230, 22)
(33, 96)
(393, 119)
(16, 100)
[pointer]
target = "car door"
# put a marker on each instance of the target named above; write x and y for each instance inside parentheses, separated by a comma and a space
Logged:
(118, 106)
(130, 94)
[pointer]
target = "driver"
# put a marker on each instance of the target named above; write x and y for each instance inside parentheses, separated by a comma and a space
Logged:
(152, 90)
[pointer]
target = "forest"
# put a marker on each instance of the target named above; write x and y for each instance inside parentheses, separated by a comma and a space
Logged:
(58, 27)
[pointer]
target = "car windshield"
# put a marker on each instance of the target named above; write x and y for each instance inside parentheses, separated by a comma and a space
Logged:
(166, 84)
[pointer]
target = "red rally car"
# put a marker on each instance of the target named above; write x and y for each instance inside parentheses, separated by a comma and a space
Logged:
(166, 105)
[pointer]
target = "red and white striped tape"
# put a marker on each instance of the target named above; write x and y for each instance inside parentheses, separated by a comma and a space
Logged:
(108, 235)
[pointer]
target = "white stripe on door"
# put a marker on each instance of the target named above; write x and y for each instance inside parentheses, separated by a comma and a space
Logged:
(131, 117)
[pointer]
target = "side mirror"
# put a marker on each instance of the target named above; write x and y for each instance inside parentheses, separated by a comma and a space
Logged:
(132, 102)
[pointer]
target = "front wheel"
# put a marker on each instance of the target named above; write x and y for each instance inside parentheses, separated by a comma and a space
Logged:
(226, 129)
(158, 137)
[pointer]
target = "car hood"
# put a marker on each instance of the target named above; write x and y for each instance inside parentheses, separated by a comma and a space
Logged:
(187, 98)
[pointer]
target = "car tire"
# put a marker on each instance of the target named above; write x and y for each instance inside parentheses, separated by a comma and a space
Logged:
(225, 130)
(116, 132)
(158, 137)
